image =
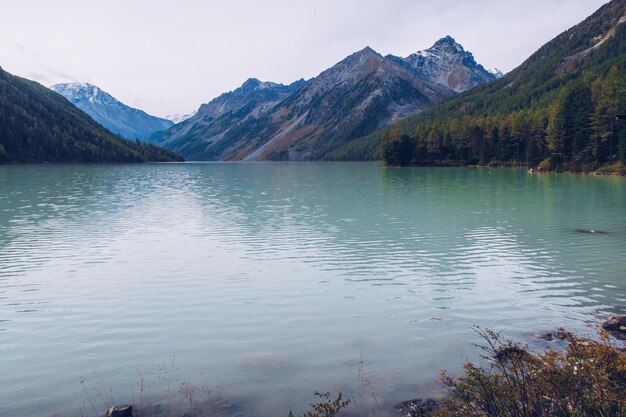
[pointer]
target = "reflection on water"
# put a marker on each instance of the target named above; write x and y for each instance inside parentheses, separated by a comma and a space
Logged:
(274, 280)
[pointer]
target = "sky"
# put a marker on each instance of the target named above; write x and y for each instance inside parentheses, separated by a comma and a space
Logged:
(169, 57)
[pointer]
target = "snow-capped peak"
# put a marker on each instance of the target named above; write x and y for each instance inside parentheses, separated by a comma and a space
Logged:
(75, 87)
(114, 115)
(90, 92)
(177, 118)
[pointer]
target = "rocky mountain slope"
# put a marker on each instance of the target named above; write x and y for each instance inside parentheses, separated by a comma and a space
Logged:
(362, 93)
(116, 116)
(225, 127)
(308, 120)
(447, 63)
(39, 125)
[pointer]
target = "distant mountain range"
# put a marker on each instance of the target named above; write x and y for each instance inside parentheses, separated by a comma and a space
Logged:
(116, 116)
(561, 109)
(38, 125)
(307, 120)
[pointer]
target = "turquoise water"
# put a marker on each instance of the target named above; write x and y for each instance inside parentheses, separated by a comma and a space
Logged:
(268, 281)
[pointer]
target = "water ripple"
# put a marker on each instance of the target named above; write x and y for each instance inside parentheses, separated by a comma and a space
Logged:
(114, 268)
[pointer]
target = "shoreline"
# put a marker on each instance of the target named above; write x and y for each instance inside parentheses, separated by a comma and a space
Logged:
(602, 171)
(617, 171)
(212, 403)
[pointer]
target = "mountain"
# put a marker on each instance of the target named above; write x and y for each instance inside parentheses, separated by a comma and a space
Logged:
(177, 118)
(222, 128)
(38, 125)
(309, 120)
(362, 93)
(447, 63)
(562, 109)
(116, 116)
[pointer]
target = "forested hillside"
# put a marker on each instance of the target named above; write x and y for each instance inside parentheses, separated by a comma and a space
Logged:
(39, 125)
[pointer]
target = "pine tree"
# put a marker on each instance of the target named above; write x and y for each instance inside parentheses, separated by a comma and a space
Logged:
(397, 147)
(609, 96)
(555, 134)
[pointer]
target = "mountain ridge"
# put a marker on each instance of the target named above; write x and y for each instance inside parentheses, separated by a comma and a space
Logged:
(363, 92)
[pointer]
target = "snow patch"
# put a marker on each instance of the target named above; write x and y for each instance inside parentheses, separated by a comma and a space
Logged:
(496, 72)
(177, 118)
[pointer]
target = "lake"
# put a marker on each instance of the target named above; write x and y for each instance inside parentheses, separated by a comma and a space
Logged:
(263, 282)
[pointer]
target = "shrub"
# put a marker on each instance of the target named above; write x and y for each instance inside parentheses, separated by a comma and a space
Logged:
(586, 378)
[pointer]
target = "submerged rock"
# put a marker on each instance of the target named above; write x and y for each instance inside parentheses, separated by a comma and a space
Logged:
(559, 334)
(615, 324)
(120, 411)
(418, 407)
(591, 231)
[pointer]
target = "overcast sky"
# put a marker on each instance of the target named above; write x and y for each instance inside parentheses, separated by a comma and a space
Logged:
(167, 56)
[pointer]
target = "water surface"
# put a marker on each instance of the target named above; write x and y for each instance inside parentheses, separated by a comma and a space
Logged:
(268, 281)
